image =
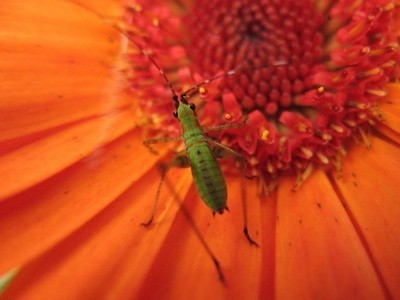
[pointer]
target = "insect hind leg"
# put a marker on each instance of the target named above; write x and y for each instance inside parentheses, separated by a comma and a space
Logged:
(148, 143)
(180, 160)
(226, 126)
(164, 170)
(222, 151)
(185, 211)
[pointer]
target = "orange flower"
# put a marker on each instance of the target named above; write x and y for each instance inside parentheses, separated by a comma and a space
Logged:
(77, 181)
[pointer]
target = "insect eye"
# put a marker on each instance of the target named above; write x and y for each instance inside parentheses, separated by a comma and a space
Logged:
(192, 106)
(175, 114)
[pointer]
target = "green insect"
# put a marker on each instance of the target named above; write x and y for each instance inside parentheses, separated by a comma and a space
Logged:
(201, 151)
(200, 155)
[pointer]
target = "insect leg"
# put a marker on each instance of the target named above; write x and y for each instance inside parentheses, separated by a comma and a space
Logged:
(226, 126)
(180, 160)
(222, 151)
(193, 225)
(149, 142)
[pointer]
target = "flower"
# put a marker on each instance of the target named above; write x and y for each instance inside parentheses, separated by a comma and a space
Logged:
(77, 181)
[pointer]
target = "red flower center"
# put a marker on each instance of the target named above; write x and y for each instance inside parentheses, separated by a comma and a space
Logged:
(337, 61)
(231, 34)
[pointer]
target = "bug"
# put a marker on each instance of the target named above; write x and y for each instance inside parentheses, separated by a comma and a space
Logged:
(200, 155)
(201, 151)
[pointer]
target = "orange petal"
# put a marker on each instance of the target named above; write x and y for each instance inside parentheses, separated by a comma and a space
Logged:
(110, 8)
(268, 221)
(58, 74)
(318, 251)
(370, 188)
(29, 165)
(183, 259)
(109, 255)
(39, 218)
(391, 112)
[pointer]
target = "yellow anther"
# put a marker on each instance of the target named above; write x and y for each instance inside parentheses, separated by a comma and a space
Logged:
(228, 117)
(378, 51)
(362, 116)
(389, 6)
(365, 50)
(373, 71)
(337, 78)
(253, 161)
(352, 55)
(357, 29)
(326, 137)
(377, 92)
(202, 90)
(264, 135)
(136, 7)
(301, 127)
(394, 45)
(270, 168)
(321, 90)
(359, 105)
(156, 22)
(337, 128)
(350, 123)
(388, 64)
(253, 172)
(302, 177)
(307, 152)
(365, 138)
(372, 16)
(322, 158)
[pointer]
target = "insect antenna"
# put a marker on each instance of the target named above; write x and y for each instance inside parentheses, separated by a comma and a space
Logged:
(195, 89)
(192, 90)
(137, 45)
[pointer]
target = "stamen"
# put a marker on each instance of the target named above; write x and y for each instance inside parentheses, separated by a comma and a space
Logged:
(302, 177)
(156, 22)
(253, 161)
(356, 30)
(322, 158)
(270, 168)
(388, 64)
(389, 6)
(357, 104)
(264, 135)
(301, 127)
(307, 152)
(370, 72)
(135, 7)
(228, 117)
(350, 123)
(377, 92)
(365, 138)
(337, 128)
(325, 136)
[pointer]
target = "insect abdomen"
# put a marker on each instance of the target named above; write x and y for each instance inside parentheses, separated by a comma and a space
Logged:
(207, 176)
